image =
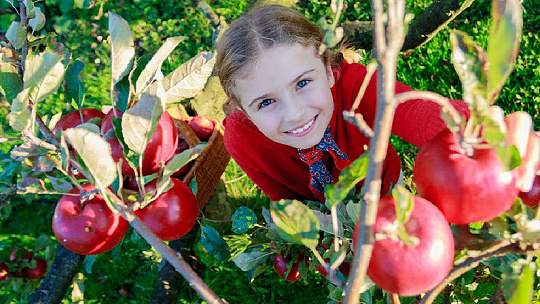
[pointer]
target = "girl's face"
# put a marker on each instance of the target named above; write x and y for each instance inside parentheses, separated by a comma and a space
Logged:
(286, 94)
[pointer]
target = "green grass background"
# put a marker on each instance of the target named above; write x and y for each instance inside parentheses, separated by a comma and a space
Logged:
(127, 273)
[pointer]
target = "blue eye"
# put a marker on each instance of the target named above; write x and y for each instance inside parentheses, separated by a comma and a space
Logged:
(266, 103)
(302, 83)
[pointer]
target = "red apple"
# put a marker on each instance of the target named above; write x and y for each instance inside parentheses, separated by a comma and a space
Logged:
(466, 189)
(202, 126)
(160, 148)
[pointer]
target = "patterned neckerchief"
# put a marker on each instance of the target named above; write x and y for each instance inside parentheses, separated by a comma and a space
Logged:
(320, 176)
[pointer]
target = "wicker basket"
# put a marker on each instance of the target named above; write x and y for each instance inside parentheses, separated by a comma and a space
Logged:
(209, 165)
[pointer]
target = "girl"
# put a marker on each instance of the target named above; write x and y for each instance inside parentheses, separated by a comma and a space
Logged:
(286, 130)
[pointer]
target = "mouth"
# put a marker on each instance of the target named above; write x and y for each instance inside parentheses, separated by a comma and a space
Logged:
(303, 129)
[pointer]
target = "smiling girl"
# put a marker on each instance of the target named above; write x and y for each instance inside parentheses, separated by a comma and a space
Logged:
(287, 131)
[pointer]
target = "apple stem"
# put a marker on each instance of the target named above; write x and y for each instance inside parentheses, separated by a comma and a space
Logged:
(394, 298)
(406, 237)
(439, 99)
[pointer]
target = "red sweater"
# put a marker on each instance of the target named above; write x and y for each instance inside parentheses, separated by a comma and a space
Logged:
(278, 170)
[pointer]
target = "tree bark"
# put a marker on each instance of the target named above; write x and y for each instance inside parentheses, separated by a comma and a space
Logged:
(169, 282)
(359, 34)
(59, 277)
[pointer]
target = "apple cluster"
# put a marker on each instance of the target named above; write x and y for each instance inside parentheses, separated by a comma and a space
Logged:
(23, 265)
(456, 185)
(85, 224)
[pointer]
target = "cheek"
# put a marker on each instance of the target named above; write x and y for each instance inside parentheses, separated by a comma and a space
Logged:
(321, 98)
(267, 123)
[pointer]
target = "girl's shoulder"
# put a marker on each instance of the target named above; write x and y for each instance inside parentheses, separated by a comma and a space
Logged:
(349, 73)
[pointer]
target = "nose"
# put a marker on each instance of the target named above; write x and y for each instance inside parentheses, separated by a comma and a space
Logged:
(294, 109)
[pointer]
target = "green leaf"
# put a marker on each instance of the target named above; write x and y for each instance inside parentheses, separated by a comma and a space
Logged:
(181, 159)
(295, 222)
(10, 82)
(59, 184)
(95, 152)
(325, 222)
(122, 49)
(82, 3)
(503, 43)
(89, 262)
(521, 288)
(470, 63)
(248, 260)
(243, 220)
(20, 117)
(509, 156)
(16, 35)
(354, 210)
(43, 75)
(188, 79)
(38, 22)
(404, 203)
(147, 75)
(140, 121)
(214, 243)
(29, 4)
(238, 244)
(74, 88)
(348, 179)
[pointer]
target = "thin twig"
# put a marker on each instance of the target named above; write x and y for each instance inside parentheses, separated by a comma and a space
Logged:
(441, 100)
(500, 249)
(387, 46)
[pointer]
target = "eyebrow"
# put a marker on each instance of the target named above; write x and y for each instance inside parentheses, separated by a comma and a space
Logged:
(295, 80)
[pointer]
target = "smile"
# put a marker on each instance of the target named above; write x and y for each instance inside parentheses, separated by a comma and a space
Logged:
(304, 127)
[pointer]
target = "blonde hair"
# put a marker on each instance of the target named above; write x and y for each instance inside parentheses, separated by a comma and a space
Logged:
(262, 28)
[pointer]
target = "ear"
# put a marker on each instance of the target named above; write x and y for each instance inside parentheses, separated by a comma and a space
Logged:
(330, 75)
(229, 106)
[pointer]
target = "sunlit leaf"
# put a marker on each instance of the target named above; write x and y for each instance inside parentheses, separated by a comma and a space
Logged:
(140, 121)
(470, 63)
(43, 75)
(16, 35)
(95, 153)
(19, 117)
(147, 75)
(29, 4)
(519, 286)
(122, 49)
(189, 78)
(404, 203)
(38, 21)
(243, 220)
(503, 43)
(348, 179)
(214, 243)
(295, 222)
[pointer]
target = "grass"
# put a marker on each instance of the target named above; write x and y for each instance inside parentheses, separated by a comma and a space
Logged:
(127, 273)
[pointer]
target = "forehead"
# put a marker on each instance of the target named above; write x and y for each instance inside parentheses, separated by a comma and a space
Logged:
(273, 56)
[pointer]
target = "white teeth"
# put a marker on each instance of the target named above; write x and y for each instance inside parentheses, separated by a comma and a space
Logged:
(303, 128)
